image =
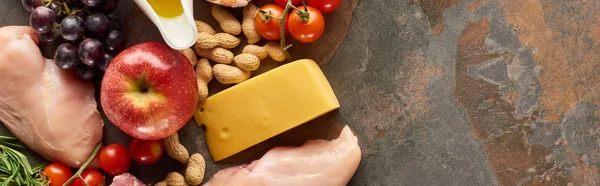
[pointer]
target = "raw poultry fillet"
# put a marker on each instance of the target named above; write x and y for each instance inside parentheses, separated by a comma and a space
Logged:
(316, 162)
(230, 3)
(50, 110)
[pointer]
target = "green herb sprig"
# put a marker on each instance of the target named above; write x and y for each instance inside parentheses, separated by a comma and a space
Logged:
(14, 166)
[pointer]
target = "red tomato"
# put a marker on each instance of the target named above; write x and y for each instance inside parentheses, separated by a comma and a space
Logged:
(57, 174)
(114, 159)
(325, 6)
(270, 29)
(146, 151)
(282, 3)
(90, 177)
(310, 30)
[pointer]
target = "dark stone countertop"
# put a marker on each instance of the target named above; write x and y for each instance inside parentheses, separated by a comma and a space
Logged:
(476, 92)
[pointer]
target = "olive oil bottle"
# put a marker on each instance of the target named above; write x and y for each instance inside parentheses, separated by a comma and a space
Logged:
(174, 19)
(167, 8)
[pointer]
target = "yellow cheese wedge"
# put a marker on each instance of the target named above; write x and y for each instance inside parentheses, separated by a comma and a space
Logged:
(264, 106)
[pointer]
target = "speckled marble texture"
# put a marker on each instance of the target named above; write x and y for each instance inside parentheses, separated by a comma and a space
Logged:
(453, 92)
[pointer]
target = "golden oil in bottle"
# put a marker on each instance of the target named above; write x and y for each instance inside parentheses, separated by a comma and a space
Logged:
(166, 8)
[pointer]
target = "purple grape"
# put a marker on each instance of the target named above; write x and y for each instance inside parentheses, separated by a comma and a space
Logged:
(90, 2)
(49, 37)
(55, 7)
(107, 59)
(114, 22)
(85, 72)
(114, 42)
(41, 19)
(65, 56)
(106, 6)
(97, 24)
(71, 27)
(91, 52)
(31, 4)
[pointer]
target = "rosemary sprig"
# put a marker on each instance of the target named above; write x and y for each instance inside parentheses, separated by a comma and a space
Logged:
(14, 166)
(10, 141)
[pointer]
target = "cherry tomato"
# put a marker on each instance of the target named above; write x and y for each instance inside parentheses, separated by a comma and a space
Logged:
(325, 6)
(282, 3)
(146, 151)
(90, 177)
(310, 30)
(57, 174)
(269, 29)
(114, 159)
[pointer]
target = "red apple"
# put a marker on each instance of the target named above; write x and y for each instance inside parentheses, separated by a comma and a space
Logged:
(149, 91)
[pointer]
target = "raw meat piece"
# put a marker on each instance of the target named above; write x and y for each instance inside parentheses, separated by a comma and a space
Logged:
(49, 109)
(126, 179)
(230, 3)
(316, 162)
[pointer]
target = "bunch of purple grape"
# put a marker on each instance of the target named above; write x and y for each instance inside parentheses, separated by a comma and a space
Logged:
(89, 36)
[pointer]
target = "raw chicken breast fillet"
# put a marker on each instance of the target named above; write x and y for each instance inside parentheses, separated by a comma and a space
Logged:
(316, 162)
(50, 110)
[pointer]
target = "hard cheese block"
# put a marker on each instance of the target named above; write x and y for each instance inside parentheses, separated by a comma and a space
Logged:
(264, 106)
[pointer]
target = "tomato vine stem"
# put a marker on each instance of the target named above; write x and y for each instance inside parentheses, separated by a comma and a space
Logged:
(303, 14)
(267, 16)
(284, 46)
(87, 162)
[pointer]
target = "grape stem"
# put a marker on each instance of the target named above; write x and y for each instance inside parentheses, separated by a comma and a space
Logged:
(77, 11)
(67, 9)
(48, 4)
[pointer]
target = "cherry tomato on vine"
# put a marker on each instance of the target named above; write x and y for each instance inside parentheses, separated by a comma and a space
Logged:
(325, 6)
(114, 159)
(146, 151)
(306, 28)
(282, 3)
(57, 174)
(269, 27)
(90, 178)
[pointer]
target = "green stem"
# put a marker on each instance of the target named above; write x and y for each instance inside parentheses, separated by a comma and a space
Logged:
(268, 17)
(47, 4)
(294, 7)
(282, 21)
(303, 14)
(14, 145)
(89, 160)
(67, 9)
(7, 138)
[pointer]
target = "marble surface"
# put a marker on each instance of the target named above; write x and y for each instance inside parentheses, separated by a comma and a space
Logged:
(452, 92)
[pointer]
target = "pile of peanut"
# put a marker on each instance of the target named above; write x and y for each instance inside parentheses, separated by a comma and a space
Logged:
(227, 69)
(215, 47)
(194, 173)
